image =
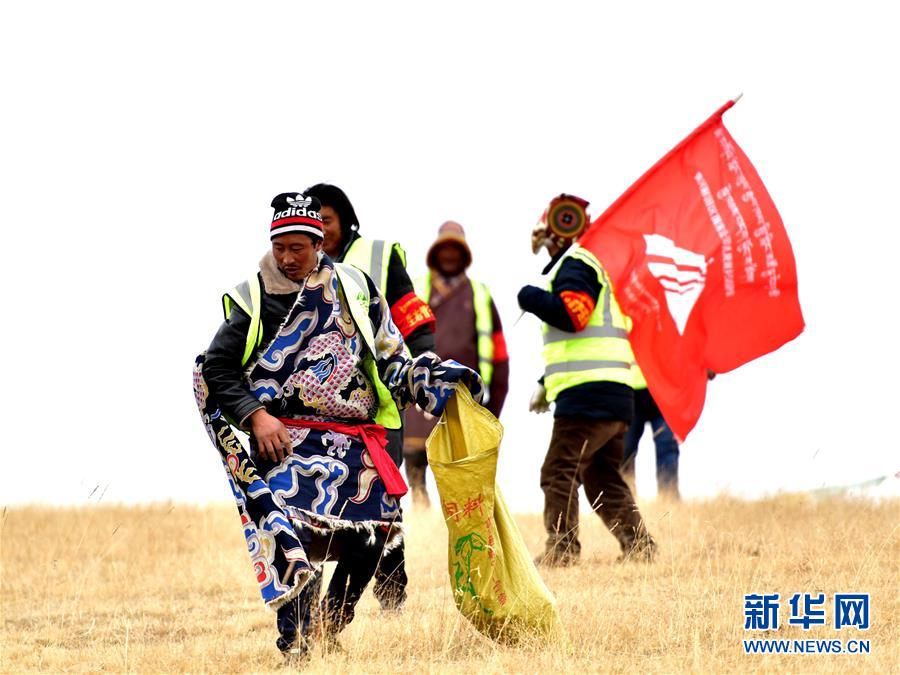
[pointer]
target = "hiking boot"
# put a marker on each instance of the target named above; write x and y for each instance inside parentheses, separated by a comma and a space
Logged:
(297, 656)
(331, 645)
(554, 559)
(642, 550)
(393, 603)
(390, 590)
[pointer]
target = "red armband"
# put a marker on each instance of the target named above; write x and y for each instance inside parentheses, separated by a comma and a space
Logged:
(500, 353)
(579, 307)
(410, 312)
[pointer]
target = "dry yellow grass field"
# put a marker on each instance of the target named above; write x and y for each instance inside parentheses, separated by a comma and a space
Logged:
(168, 588)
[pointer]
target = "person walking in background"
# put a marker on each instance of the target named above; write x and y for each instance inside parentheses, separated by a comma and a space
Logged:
(667, 451)
(385, 263)
(587, 375)
(468, 330)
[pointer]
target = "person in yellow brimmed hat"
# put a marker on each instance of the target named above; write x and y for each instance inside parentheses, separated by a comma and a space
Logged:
(468, 330)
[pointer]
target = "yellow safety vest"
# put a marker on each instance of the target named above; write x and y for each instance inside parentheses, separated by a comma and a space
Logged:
(372, 256)
(598, 353)
(247, 296)
(637, 375)
(639, 381)
(484, 323)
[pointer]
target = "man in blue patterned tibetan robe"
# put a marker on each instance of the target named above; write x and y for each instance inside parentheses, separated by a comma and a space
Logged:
(310, 364)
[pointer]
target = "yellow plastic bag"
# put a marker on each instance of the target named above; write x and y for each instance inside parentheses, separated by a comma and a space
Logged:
(495, 584)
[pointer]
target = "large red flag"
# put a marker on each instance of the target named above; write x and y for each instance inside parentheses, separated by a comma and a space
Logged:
(701, 262)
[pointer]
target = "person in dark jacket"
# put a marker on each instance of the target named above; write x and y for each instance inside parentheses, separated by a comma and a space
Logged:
(309, 362)
(385, 263)
(667, 450)
(588, 376)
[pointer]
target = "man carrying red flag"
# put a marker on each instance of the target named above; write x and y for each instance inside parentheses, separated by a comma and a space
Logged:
(588, 376)
(702, 264)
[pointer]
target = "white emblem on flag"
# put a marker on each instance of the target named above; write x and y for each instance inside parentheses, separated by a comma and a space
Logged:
(681, 273)
(299, 201)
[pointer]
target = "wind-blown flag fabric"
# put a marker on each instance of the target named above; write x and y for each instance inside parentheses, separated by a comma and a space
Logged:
(700, 260)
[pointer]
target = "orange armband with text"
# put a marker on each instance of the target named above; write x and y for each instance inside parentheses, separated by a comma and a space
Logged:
(410, 312)
(579, 307)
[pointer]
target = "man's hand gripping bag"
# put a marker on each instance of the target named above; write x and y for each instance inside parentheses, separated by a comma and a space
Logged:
(495, 584)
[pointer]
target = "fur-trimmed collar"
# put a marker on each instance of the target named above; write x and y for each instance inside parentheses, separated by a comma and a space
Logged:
(274, 281)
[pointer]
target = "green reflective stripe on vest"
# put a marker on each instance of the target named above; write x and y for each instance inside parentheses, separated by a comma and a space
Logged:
(241, 296)
(372, 256)
(484, 323)
(247, 295)
(637, 377)
(484, 327)
(598, 353)
(356, 293)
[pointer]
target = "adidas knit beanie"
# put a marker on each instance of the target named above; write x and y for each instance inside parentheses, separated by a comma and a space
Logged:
(295, 213)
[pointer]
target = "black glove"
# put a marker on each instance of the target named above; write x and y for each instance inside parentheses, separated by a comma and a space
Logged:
(528, 297)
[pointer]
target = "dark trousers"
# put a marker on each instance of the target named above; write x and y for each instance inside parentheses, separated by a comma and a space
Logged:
(357, 560)
(391, 579)
(390, 573)
(416, 466)
(587, 452)
(667, 451)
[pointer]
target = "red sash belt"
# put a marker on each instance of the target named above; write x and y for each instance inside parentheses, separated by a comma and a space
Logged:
(374, 437)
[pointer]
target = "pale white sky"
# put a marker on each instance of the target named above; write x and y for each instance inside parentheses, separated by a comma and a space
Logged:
(142, 143)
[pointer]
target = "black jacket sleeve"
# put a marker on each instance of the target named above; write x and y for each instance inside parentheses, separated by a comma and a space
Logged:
(574, 275)
(399, 285)
(420, 340)
(398, 281)
(222, 368)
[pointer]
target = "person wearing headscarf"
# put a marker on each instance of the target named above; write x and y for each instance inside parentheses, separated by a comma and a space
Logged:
(468, 330)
